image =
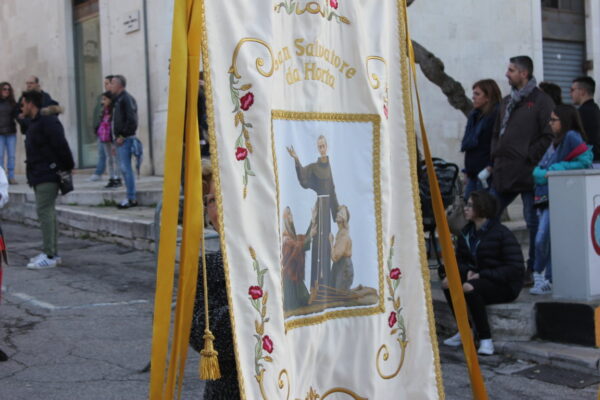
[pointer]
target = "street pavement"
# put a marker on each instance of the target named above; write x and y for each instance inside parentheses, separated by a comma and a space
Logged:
(83, 331)
(80, 331)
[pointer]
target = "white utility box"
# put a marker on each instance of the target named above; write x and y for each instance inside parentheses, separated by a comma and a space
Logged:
(575, 233)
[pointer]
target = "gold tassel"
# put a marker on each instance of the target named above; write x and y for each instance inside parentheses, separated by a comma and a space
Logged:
(209, 363)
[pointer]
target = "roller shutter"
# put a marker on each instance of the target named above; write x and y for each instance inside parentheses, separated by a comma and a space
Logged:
(563, 62)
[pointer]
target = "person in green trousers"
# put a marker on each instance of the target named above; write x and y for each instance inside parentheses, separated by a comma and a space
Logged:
(47, 153)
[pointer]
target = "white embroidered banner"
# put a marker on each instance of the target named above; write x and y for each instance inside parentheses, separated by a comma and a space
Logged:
(312, 138)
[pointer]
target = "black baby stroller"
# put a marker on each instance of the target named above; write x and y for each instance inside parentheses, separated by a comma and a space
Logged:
(450, 187)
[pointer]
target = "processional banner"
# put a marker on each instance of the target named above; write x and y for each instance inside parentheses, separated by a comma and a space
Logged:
(312, 138)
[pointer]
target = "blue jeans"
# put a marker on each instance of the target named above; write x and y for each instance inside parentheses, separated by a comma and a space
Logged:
(529, 213)
(542, 245)
(124, 152)
(8, 143)
(101, 166)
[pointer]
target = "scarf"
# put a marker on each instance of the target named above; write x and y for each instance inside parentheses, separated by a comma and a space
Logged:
(516, 96)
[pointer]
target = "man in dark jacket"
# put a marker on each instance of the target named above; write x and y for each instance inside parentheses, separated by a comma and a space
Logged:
(49, 105)
(582, 93)
(124, 126)
(47, 152)
(521, 137)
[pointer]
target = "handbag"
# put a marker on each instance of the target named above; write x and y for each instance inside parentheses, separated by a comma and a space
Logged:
(65, 182)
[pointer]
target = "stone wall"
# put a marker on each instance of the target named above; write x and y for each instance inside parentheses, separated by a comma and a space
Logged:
(475, 41)
(36, 39)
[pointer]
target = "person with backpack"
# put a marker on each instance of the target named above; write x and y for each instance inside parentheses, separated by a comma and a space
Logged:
(124, 127)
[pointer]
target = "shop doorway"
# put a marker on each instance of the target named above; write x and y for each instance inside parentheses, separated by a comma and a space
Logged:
(88, 73)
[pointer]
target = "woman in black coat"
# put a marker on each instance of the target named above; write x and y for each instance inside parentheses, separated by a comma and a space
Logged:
(491, 266)
(477, 141)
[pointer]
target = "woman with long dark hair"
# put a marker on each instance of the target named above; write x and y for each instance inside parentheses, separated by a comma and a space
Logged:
(477, 141)
(567, 151)
(9, 111)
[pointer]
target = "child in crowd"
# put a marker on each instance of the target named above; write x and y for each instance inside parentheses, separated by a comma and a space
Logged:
(104, 131)
(567, 151)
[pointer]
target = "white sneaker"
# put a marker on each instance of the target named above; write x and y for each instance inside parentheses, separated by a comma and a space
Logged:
(43, 262)
(94, 178)
(486, 347)
(453, 341)
(545, 288)
(56, 258)
(538, 281)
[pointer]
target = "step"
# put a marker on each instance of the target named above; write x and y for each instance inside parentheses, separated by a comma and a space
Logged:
(148, 188)
(508, 322)
(132, 227)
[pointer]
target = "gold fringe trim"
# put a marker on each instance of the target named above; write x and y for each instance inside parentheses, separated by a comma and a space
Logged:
(209, 363)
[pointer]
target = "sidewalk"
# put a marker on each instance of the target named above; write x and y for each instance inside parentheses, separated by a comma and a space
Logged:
(515, 333)
(90, 211)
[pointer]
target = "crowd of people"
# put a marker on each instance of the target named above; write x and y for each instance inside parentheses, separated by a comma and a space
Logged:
(48, 155)
(510, 146)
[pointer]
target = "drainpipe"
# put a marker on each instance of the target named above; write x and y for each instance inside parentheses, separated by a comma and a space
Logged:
(148, 88)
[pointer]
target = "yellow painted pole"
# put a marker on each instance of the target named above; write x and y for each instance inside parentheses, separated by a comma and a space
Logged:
(455, 285)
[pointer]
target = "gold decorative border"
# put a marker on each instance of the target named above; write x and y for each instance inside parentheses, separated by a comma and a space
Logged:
(412, 147)
(212, 139)
(338, 117)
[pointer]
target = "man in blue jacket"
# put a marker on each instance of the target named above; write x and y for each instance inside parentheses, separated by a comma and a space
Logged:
(47, 153)
(125, 122)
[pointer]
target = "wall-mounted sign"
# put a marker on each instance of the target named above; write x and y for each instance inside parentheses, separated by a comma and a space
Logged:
(131, 21)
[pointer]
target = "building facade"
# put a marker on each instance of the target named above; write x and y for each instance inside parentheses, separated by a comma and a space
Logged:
(72, 44)
(475, 39)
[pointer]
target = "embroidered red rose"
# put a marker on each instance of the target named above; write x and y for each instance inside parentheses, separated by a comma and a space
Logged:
(255, 292)
(385, 111)
(333, 3)
(246, 101)
(395, 273)
(241, 153)
(530, 104)
(392, 319)
(267, 344)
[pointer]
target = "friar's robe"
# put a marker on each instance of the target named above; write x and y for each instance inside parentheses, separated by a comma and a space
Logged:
(318, 177)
